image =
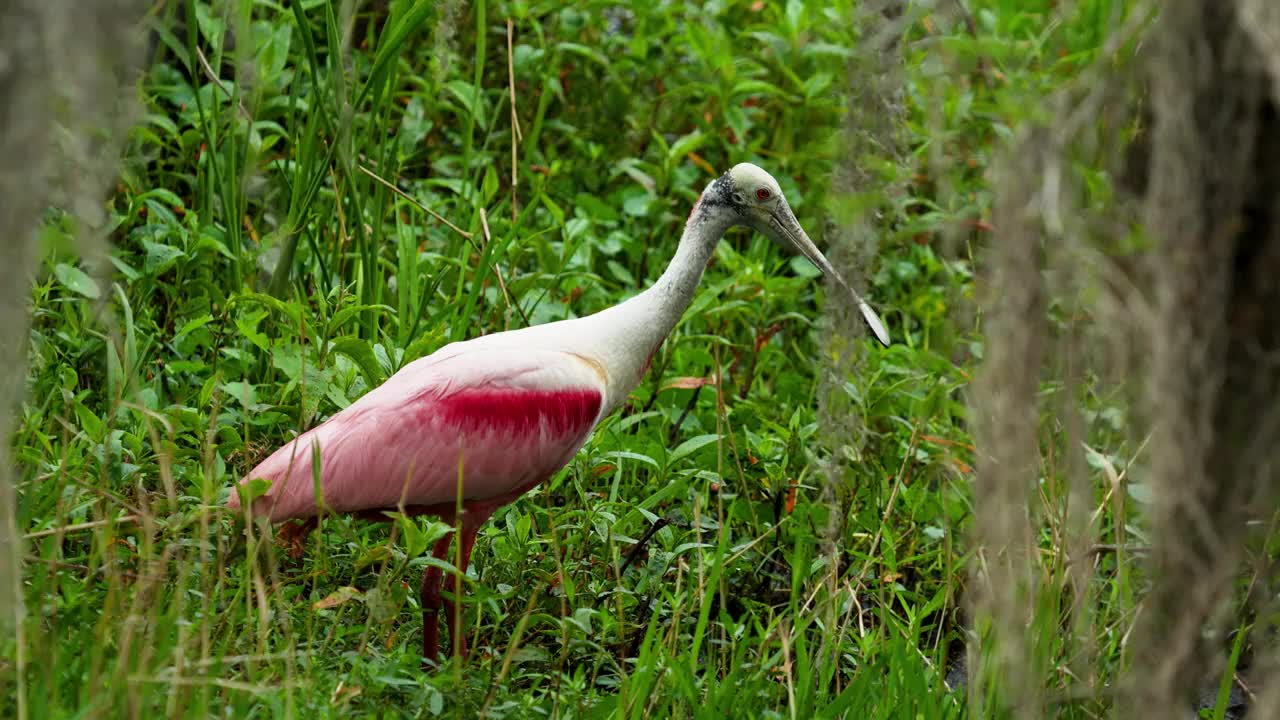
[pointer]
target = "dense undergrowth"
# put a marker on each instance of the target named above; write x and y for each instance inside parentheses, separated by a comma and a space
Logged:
(311, 200)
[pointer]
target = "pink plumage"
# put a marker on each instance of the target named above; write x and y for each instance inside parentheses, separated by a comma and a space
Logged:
(508, 419)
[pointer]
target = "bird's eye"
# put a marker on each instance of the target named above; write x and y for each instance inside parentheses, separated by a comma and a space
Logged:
(762, 193)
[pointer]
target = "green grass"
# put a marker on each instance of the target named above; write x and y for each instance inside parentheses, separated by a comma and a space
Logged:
(265, 274)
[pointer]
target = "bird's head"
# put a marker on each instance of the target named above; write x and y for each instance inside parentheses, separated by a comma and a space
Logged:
(749, 196)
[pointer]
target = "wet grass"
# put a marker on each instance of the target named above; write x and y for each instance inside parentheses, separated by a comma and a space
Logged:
(316, 196)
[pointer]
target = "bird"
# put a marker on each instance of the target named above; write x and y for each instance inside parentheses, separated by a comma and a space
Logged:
(478, 423)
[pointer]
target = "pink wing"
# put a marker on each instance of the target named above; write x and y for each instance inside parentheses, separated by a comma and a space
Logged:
(509, 417)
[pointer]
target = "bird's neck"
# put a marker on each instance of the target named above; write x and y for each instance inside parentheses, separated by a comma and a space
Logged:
(670, 296)
(627, 336)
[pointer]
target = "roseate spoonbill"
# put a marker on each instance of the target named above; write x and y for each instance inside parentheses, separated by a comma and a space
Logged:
(506, 411)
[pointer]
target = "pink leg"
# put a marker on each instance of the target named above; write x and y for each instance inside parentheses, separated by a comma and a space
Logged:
(429, 599)
(453, 607)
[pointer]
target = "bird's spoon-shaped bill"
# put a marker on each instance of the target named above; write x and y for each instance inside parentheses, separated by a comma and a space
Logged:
(789, 228)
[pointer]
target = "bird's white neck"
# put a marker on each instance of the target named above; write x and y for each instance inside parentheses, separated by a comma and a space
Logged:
(671, 294)
(631, 332)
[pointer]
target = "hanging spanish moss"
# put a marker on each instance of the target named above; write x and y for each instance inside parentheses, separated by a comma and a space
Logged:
(66, 99)
(1176, 318)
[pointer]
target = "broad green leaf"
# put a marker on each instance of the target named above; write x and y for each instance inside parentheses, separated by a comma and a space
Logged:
(77, 281)
(289, 310)
(160, 257)
(361, 353)
(690, 446)
(628, 455)
(684, 146)
(341, 317)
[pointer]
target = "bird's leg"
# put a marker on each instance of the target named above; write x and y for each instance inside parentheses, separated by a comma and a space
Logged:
(453, 607)
(293, 535)
(429, 599)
